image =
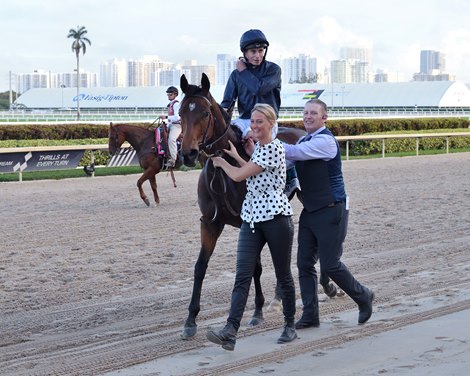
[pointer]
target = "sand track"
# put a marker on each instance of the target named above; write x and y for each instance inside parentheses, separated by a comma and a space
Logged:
(93, 281)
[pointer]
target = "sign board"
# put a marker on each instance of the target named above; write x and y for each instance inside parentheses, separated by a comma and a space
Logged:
(40, 160)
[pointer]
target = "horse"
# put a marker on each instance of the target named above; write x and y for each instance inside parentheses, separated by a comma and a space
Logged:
(143, 142)
(207, 131)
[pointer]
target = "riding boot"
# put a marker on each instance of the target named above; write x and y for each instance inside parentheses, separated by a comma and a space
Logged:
(225, 337)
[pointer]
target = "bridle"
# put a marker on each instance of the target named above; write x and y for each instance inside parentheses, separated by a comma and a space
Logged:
(226, 183)
(205, 145)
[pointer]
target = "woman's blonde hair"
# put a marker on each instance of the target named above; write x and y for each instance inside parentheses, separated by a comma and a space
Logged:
(266, 110)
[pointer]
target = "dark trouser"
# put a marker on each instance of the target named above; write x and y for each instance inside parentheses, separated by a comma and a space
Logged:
(321, 236)
(324, 279)
(278, 233)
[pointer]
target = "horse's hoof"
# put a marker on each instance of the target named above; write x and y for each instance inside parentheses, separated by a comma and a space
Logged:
(255, 321)
(188, 332)
(147, 202)
(275, 305)
(330, 290)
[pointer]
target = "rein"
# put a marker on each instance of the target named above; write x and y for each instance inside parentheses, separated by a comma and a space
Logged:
(226, 183)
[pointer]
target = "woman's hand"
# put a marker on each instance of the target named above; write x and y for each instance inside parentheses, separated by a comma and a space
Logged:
(232, 152)
(217, 161)
(249, 146)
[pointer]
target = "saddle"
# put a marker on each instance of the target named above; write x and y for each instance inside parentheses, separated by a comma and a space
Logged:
(161, 143)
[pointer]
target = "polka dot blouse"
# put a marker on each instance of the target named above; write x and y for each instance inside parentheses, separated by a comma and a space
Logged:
(265, 196)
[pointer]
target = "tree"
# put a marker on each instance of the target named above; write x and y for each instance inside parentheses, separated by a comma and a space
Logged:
(78, 45)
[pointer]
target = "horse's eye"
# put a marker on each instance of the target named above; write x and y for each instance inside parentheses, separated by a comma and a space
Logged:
(206, 114)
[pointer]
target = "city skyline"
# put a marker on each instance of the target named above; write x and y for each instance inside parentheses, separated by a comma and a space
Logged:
(34, 34)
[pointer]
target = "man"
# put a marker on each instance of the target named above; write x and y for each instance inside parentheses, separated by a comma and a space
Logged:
(324, 218)
(255, 80)
(174, 125)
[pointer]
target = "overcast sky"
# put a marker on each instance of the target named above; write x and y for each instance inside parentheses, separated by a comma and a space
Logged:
(33, 33)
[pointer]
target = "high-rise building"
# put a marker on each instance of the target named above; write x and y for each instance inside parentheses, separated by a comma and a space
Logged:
(225, 65)
(193, 72)
(432, 65)
(340, 71)
(356, 53)
(300, 69)
(39, 79)
(46, 79)
(113, 73)
(360, 63)
(171, 77)
(432, 62)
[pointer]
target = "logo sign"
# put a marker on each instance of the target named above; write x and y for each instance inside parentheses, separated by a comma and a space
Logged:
(40, 160)
(311, 94)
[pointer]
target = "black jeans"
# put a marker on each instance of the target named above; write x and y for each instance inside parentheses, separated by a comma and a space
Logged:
(278, 233)
(321, 236)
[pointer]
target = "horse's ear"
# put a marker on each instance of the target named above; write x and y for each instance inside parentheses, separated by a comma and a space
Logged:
(205, 83)
(183, 83)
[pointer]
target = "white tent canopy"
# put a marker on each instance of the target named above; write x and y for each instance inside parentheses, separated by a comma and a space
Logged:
(402, 94)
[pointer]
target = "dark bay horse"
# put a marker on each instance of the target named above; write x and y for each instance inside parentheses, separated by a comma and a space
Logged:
(206, 131)
(143, 142)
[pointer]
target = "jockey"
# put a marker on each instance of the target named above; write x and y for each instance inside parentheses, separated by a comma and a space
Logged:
(174, 125)
(256, 80)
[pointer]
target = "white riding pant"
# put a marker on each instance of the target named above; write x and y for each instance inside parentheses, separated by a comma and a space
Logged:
(173, 134)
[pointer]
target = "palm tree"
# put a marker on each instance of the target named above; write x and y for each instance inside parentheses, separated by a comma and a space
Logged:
(78, 44)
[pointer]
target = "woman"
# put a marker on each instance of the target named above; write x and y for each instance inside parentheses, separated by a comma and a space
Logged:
(266, 215)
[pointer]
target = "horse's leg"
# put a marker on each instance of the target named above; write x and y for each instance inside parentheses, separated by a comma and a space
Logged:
(153, 184)
(257, 317)
(275, 304)
(210, 232)
(145, 176)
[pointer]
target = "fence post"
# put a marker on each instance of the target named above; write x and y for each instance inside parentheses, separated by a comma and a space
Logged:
(383, 147)
(417, 146)
(92, 162)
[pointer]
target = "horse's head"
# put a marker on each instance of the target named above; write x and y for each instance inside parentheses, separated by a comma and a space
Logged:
(201, 116)
(116, 139)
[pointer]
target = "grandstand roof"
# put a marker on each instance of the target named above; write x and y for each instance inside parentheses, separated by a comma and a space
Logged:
(402, 94)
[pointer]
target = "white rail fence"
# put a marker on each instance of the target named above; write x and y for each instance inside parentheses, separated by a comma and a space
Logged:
(58, 157)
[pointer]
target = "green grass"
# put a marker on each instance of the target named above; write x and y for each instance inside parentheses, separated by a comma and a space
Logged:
(69, 173)
(76, 173)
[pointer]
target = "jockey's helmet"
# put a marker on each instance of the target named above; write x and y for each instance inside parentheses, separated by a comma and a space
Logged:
(172, 89)
(253, 39)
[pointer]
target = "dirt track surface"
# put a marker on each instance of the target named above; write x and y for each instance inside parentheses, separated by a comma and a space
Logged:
(92, 281)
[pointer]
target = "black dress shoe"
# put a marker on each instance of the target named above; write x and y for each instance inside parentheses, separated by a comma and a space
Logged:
(365, 309)
(330, 290)
(225, 337)
(288, 334)
(304, 323)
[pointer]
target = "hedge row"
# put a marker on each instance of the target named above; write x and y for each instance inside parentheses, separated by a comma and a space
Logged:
(339, 127)
(355, 127)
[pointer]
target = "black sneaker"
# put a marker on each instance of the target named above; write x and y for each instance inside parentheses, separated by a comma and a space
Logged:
(226, 337)
(288, 334)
